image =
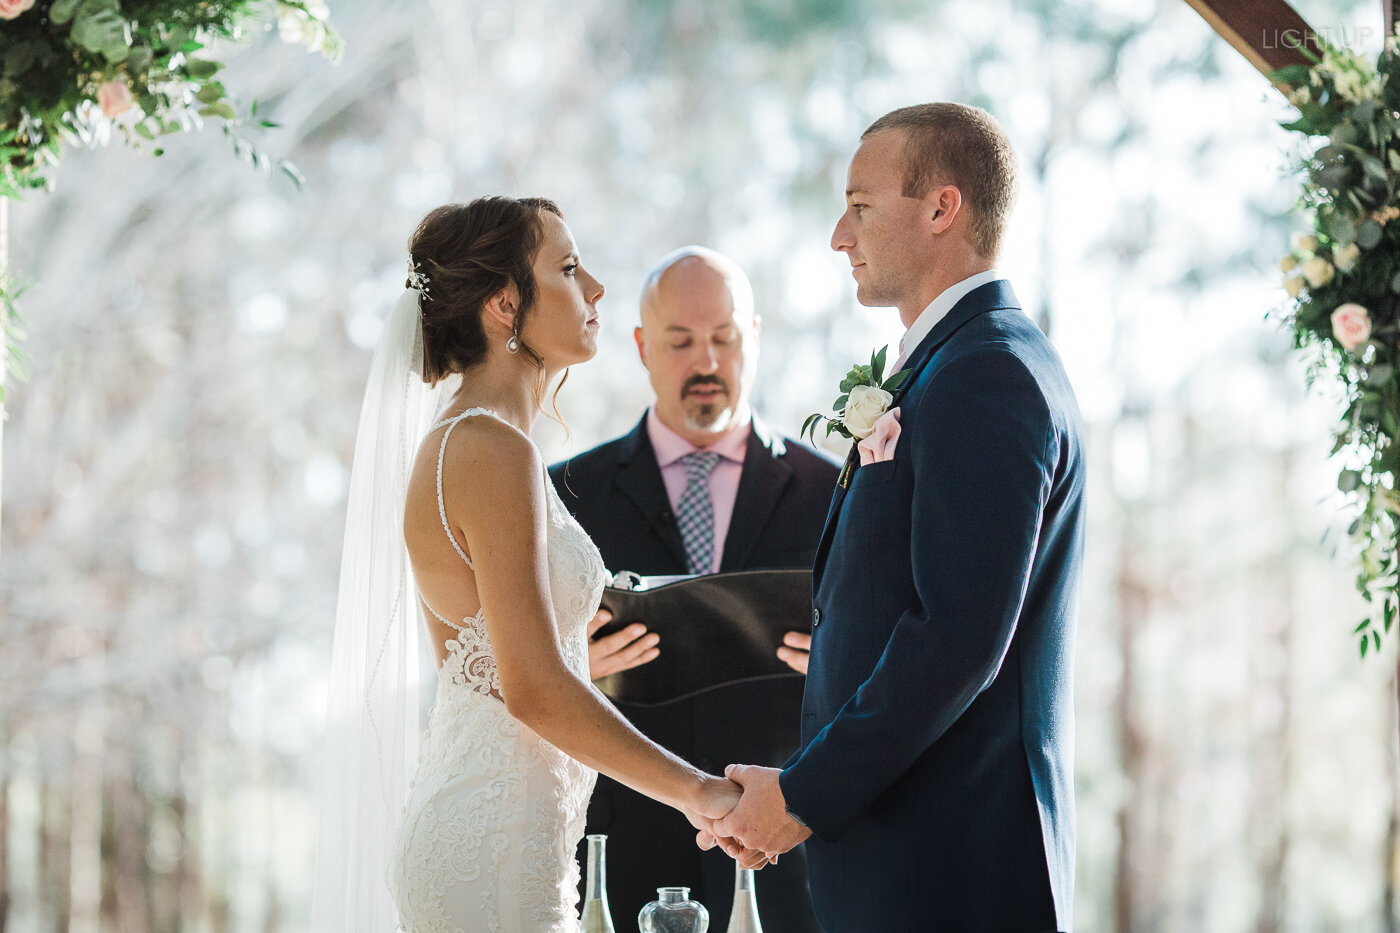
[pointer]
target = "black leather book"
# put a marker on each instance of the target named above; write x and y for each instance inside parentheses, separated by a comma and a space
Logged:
(715, 629)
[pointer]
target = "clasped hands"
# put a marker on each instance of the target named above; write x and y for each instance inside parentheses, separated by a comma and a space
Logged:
(757, 828)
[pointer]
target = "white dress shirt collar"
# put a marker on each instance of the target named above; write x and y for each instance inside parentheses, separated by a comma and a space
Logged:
(938, 309)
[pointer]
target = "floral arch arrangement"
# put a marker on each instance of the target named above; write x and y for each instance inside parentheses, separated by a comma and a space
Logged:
(1343, 281)
(76, 71)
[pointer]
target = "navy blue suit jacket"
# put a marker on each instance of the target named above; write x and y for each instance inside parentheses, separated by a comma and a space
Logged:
(937, 724)
(617, 494)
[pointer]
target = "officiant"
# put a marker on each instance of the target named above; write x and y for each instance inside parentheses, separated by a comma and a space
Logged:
(700, 485)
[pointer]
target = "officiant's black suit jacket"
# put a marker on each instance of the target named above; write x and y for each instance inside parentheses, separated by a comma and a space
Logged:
(616, 492)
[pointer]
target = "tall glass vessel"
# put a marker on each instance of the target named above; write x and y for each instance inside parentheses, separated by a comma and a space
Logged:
(596, 917)
(744, 916)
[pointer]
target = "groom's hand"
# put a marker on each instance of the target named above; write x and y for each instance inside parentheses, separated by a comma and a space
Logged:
(795, 650)
(761, 820)
(620, 651)
(728, 795)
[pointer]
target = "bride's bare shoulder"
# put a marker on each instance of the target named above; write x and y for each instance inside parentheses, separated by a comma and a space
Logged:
(485, 454)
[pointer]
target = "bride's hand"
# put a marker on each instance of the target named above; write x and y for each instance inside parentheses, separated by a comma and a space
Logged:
(716, 798)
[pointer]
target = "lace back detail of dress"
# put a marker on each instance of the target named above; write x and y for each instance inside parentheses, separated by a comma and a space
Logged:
(469, 664)
(577, 577)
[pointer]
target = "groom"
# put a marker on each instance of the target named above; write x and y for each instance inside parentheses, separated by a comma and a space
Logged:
(936, 773)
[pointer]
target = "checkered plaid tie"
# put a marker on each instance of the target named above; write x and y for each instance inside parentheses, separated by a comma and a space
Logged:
(696, 513)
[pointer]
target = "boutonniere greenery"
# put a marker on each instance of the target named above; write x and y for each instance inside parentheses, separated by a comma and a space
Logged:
(866, 394)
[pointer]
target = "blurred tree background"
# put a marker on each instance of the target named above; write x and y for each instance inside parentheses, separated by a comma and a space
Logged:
(200, 336)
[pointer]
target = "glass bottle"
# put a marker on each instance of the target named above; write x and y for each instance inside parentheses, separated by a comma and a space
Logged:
(673, 912)
(743, 918)
(596, 916)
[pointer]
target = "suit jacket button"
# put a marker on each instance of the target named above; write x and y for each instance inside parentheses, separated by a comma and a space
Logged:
(816, 617)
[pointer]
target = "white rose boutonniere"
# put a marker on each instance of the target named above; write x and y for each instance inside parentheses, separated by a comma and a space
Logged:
(864, 406)
(866, 394)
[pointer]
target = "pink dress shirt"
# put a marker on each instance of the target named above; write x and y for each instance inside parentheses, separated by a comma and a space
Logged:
(723, 482)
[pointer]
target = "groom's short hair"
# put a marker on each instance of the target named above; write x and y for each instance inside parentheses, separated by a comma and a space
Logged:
(962, 146)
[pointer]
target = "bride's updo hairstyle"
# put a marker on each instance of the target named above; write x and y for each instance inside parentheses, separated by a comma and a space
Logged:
(467, 253)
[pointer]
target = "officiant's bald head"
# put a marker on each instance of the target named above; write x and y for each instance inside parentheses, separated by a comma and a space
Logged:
(698, 339)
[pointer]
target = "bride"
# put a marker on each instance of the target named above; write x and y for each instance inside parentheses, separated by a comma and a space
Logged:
(483, 838)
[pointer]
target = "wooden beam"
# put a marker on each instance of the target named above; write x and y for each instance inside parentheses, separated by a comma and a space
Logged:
(1266, 32)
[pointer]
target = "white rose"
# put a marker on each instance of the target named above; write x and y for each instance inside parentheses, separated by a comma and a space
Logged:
(1293, 285)
(1345, 258)
(864, 407)
(1318, 271)
(1288, 263)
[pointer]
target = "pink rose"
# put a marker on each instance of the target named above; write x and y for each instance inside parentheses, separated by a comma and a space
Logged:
(1351, 325)
(9, 9)
(114, 96)
(879, 445)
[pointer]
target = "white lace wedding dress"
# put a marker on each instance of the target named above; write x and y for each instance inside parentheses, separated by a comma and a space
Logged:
(496, 813)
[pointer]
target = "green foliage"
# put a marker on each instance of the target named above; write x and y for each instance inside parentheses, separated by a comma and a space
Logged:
(16, 362)
(861, 374)
(1345, 283)
(71, 71)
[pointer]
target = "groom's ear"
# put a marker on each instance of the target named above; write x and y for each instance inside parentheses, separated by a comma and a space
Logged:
(942, 205)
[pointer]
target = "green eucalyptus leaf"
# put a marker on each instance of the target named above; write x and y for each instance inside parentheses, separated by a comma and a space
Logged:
(101, 31)
(116, 52)
(213, 92)
(1363, 624)
(202, 69)
(62, 11)
(21, 57)
(139, 59)
(1348, 480)
(1365, 643)
(144, 131)
(1341, 229)
(218, 110)
(1368, 235)
(840, 403)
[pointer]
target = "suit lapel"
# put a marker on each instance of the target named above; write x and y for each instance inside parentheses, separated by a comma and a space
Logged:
(761, 485)
(639, 479)
(989, 297)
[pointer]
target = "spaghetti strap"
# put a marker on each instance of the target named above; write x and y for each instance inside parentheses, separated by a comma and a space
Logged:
(442, 503)
(458, 627)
